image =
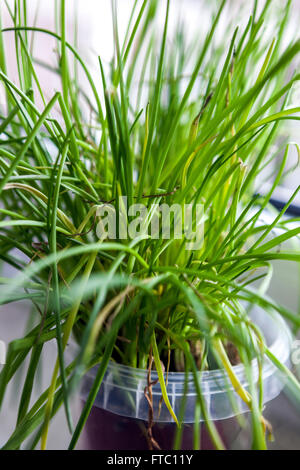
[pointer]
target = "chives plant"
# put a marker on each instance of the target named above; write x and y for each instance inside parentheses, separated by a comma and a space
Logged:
(169, 121)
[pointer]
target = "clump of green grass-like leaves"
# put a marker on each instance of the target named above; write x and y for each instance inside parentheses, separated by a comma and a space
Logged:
(153, 133)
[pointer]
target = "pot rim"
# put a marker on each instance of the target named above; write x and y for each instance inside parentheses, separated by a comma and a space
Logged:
(211, 380)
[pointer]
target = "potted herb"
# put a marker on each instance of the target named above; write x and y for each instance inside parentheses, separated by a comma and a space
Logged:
(132, 215)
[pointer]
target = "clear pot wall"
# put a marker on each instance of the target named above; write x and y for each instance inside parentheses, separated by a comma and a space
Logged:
(119, 418)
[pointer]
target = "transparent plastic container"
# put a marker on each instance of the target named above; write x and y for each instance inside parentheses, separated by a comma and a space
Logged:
(122, 389)
(121, 397)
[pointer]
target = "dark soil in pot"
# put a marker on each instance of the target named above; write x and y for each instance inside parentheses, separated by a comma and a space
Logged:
(107, 431)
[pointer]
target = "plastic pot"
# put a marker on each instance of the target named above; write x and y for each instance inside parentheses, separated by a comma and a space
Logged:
(119, 418)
